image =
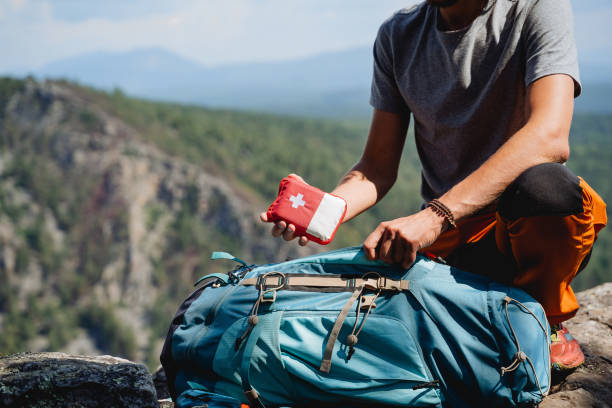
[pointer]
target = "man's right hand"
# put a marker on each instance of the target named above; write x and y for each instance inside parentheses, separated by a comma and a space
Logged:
(281, 228)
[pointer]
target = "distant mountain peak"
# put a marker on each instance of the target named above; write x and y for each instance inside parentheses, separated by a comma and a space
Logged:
(332, 83)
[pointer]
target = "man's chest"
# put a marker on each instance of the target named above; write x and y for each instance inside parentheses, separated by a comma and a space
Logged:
(447, 78)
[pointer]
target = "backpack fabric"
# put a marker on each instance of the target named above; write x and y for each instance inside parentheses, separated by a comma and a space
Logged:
(338, 329)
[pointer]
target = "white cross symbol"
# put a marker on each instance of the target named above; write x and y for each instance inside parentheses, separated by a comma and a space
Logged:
(297, 200)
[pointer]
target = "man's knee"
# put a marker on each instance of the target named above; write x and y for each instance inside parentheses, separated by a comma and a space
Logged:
(545, 189)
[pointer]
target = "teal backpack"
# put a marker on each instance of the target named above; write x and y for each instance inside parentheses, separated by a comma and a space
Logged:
(337, 329)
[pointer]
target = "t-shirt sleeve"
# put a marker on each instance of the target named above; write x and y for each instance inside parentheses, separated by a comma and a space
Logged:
(385, 95)
(550, 44)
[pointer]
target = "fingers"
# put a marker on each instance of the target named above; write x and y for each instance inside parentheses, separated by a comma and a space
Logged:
(289, 233)
(409, 256)
(385, 252)
(296, 177)
(282, 228)
(408, 260)
(371, 242)
(398, 250)
(391, 246)
(278, 228)
(395, 249)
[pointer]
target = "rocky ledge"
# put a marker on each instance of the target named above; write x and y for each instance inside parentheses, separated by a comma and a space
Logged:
(63, 380)
(591, 384)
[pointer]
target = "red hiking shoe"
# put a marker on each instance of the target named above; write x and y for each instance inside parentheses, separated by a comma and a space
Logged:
(565, 352)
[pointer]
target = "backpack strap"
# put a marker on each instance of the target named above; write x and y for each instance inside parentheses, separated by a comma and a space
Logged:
(333, 335)
(271, 282)
(222, 277)
(375, 282)
(287, 281)
(225, 255)
(245, 367)
(520, 356)
(230, 277)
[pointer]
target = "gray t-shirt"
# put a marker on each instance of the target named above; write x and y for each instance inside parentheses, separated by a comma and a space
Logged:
(466, 89)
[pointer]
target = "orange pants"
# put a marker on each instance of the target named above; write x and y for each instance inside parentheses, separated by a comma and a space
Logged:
(545, 252)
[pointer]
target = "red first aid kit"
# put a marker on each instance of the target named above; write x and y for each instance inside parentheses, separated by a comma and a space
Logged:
(314, 213)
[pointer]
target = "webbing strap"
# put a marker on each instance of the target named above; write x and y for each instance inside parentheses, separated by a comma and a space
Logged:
(225, 255)
(245, 368)
(520, 356)
(329, 281)
(333, 336)
(224, 277)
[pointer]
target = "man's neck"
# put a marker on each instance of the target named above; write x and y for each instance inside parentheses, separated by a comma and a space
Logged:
(460, 14)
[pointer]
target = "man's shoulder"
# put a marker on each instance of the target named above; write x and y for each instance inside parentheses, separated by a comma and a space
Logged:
(405, 18)
(415, 15)
(410, 11)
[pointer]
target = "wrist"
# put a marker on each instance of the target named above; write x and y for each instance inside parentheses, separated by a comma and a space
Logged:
(436, 220)
(443, 213)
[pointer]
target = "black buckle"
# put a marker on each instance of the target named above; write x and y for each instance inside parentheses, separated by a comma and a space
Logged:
(238, 273)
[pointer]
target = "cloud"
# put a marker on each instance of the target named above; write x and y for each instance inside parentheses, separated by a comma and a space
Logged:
(35, 32)
(79, 10)
(209, 31)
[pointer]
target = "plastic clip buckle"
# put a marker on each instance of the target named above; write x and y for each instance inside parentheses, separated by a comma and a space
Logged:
(268, 297)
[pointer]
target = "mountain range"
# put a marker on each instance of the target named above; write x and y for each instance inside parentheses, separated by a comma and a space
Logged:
(334, 84)
(307, 86)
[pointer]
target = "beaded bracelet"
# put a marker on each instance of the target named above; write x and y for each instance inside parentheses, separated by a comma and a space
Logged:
(443, 211)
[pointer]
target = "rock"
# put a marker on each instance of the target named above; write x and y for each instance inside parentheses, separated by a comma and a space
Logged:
(64, 380)
(591, 384)
(572, 399)
(159, 380)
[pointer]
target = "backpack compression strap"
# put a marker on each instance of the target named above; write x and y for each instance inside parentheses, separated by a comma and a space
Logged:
(283, 281)
(333, 335)
(273, 281)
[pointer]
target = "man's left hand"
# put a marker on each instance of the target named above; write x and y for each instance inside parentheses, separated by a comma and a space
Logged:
(397, 241)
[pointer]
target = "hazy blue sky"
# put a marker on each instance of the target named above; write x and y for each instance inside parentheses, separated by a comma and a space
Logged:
(35, 32)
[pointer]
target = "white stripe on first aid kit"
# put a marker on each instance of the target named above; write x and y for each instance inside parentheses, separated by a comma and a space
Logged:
(327, 217)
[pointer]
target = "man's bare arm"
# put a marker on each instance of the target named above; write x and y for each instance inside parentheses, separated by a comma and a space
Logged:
(372, 177)
(543, 139)
(375, 173)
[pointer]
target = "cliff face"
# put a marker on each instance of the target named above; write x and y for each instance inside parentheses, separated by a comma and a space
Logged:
(101, 233)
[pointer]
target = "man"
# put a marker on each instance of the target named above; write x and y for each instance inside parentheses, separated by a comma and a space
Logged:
(490, 85)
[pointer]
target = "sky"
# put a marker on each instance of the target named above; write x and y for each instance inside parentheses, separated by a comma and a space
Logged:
(213, 32)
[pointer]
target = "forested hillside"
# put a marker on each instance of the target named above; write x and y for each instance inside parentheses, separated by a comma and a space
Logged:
(110, 206)
(270, 147)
